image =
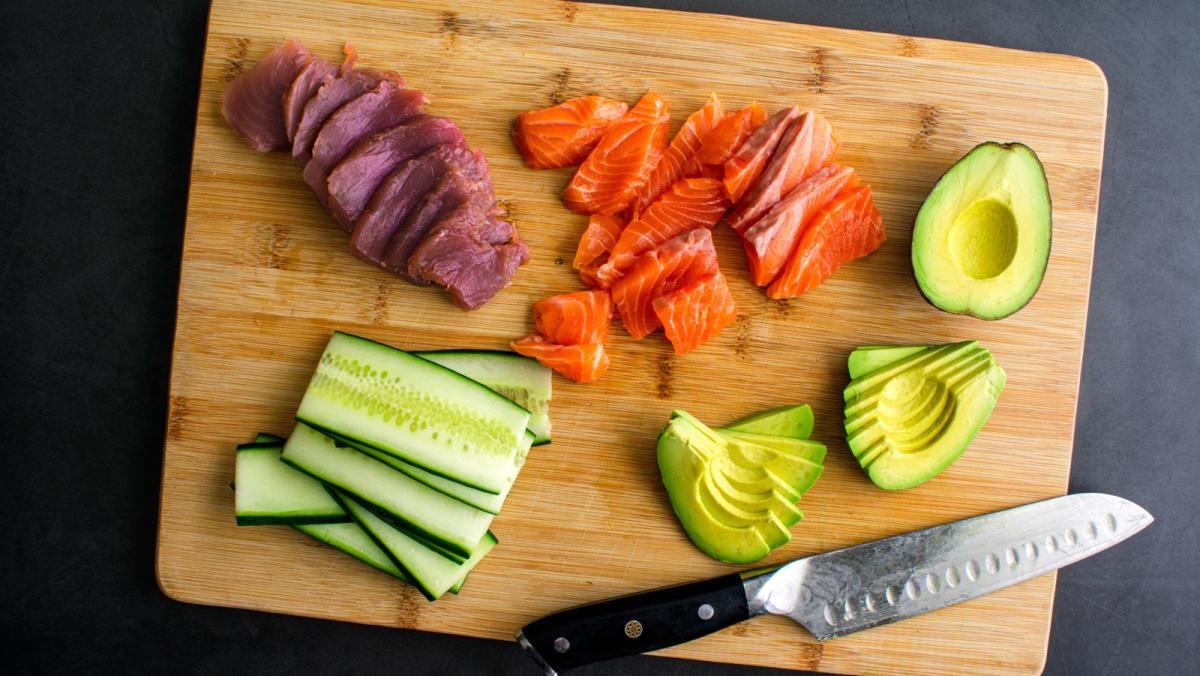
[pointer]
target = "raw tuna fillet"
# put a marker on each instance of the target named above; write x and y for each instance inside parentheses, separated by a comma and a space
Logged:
(581, 363)
(673, 265)
(693, 315)
(729, 135)
(676, 162)
(399, 194)
(610, 177)
(850, 227)
(462, 253)
(304, 87)
(355, 178)
(383, 107)
(562, 136)
(463, 183)
(808, 145)
(574, 318)
(333, 93)
(253, 103)
(744, 168)
(690, 203)
(597, 241)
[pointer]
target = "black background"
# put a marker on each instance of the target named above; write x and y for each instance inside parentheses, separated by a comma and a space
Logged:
(97, 110)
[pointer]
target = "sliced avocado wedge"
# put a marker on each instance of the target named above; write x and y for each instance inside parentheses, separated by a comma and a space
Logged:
(785, 421)
(873, 357)
(908, 420)
(734, 497)
(804, 448)
(981, 240)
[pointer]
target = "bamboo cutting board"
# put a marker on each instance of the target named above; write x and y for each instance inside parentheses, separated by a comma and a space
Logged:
(266, 277)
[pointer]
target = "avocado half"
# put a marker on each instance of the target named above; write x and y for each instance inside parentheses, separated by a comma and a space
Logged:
(911, 411)
(982, 238)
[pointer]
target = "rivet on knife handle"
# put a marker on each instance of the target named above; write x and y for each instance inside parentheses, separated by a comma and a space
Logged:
(634, 624)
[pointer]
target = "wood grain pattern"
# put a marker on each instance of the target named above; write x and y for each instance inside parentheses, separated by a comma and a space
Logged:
(266, 276)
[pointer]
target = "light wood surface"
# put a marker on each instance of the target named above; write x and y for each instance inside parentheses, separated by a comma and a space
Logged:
(266, 276)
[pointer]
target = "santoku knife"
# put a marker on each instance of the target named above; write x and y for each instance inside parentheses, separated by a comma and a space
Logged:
(850, 589)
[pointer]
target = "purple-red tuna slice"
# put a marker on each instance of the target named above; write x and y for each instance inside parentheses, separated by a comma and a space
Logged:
(399, 194)
(253, 103)
(355, 178)
(463, 254)
(463, 183)
(382, 108)
(304, 87)
(333, 93)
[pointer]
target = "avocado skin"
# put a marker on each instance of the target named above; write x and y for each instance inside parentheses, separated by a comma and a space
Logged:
(953, 410)
(1007, 147)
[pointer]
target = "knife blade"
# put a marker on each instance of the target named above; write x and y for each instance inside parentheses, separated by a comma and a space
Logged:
(846, 590)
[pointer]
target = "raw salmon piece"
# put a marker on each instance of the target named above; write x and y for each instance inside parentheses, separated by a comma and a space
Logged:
(744, 168)
(808, 145)
(771, 241)
(675, 161)
(610, 177)
(692, 315)
(563, 135)
(598, 239)
(730, 134)
(574, 318)
(672, 265)
(581, 363)
(690, 203)
(850, 227)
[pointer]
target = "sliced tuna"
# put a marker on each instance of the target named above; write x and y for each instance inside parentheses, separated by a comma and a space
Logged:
(333, 93)
(253, 103)
(399, 194)
(463, 182)
(304, 87)
(382, 108)
(355, 178)
(461, 255)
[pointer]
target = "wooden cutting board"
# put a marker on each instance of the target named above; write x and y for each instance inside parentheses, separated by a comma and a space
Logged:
(266, 276)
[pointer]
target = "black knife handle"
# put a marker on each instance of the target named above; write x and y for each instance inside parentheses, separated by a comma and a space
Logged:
(635, 624)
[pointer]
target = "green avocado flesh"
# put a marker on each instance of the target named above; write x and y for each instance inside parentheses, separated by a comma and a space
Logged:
(982, 238)
(786, 421)
(735, 492)
(911, 411)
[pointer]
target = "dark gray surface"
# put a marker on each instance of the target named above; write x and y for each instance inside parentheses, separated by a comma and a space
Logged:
(97, 109)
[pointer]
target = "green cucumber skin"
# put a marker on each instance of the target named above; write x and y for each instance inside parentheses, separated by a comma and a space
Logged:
(320, 536)
(393, 520)
(299, 520)
(396, 520)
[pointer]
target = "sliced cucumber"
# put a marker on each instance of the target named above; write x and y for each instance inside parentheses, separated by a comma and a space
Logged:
(269, 491)
(431, 572)
(353, 540)
(417, 410)
(267, 437)
(420, 509)
(521, 379)
(472, 496)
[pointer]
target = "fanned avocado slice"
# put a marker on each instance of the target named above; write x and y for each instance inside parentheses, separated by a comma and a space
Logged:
(909, 418)
(804, 448)
(874, 357)
(786, 421)
(735, 498)
(981, 240)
